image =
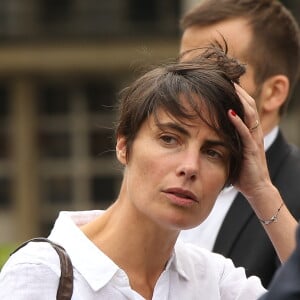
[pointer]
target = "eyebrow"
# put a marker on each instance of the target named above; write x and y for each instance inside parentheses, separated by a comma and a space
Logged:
(182, 130)
(173, 126)
(217, 143)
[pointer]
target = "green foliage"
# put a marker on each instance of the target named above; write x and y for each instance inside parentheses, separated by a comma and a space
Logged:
(5, 250)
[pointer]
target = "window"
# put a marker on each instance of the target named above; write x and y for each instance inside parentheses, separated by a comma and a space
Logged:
(5, 192)
(54, 144)
(53, 99)
(100, 96)
(57, 190)
(102, 143)
(104, 189)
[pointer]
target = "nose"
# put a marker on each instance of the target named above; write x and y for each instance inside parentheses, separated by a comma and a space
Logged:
(189, 166)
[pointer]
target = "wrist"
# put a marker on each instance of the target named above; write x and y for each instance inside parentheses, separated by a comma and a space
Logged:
(267, 204)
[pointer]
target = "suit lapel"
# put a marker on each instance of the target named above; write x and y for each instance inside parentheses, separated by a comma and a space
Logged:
(236, 218)
(276, 154)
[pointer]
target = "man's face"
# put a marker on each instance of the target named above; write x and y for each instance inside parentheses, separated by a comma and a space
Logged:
(237, 34)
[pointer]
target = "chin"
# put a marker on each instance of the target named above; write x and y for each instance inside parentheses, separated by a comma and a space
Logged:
(182, 223)
(189, 226)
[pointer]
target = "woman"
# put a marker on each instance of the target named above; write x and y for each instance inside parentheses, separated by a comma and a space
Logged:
(183, 134)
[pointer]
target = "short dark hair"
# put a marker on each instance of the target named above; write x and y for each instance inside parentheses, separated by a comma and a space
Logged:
(275, 45)
(209, 76)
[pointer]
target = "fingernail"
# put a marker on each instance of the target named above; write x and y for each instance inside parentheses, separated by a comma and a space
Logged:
(233, 113)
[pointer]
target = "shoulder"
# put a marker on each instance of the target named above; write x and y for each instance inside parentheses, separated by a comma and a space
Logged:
(38, 253)
(284, 165)
(32, 269)
(294, 154)
(217, 272)
(283, 154)
(194, 257)
(289, 169)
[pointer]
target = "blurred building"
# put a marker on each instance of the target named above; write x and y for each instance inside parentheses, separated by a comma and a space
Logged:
(62, 63)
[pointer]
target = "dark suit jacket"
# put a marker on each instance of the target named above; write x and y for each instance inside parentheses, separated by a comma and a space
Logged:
(242, 237)
(286, 282)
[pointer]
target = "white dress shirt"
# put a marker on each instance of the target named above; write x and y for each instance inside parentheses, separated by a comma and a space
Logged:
(206, 233)
(191, 273)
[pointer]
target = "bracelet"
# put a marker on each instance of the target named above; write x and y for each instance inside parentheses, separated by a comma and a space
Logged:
(273, 218)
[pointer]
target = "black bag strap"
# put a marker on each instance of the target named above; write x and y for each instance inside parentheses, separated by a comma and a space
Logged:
(65, 287)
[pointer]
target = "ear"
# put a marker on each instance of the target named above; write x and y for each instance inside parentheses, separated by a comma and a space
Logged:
(121, 149)
(274, 93)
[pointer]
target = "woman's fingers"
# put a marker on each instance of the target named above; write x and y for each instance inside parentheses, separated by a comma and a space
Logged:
(251, 115)
(245, 96)
(254, 169)
(241, 127)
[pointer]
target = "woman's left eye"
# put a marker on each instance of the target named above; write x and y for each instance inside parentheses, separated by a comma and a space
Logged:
(213, 153)
(168, 139)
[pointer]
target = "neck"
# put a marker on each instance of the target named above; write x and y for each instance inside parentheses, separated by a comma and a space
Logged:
(269, 122)
(136, 245)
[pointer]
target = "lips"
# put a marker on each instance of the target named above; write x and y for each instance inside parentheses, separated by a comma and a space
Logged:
(182, 193)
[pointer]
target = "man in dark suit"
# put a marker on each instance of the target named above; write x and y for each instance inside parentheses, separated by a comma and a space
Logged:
(265, 36)
(285, 284)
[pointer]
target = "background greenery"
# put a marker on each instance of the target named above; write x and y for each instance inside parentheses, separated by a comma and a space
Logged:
(5, 250)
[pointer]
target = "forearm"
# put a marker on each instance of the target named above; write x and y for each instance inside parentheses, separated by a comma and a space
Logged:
(282, 227)
(255, 184)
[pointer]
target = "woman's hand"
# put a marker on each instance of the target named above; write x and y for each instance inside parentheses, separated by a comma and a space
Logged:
(254, 174)
(255, 184)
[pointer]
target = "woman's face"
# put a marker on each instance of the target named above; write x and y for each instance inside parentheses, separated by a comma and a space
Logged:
(175, 171)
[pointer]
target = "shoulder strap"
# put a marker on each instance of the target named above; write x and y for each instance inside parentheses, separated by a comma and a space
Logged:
(65, 287)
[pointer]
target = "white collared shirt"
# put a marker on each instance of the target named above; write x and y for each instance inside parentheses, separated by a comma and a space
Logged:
(206, 233)
(191, 273)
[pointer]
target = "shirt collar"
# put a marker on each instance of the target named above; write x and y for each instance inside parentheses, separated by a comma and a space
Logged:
(178, 260)
(270, 137)
(85, 256)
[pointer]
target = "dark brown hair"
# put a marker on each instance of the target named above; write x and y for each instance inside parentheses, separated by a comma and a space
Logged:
(210, 77)
(275, 46)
